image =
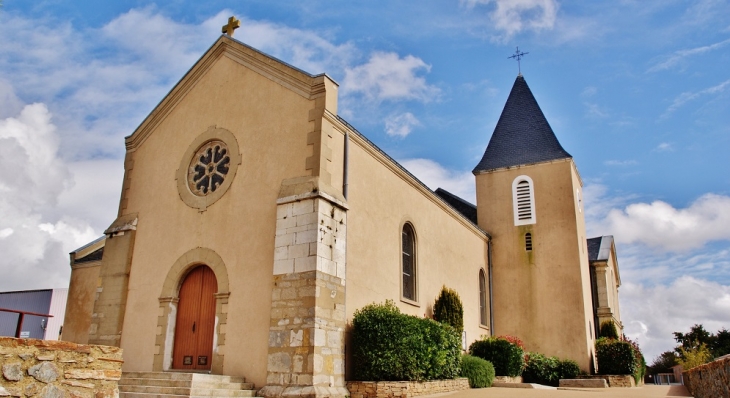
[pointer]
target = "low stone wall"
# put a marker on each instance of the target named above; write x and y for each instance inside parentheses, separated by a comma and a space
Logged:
(614, 380)
(404, 389)
(709, 380)
(58, 369)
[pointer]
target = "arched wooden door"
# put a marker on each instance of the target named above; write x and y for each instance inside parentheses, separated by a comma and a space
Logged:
(195, 321)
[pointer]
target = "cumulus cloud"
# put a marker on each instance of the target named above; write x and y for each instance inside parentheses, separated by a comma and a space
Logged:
(678, 56)
(434, 175)
(400, 125)
(514, 16)
(651, 313)
(33, 240)
(387, 76)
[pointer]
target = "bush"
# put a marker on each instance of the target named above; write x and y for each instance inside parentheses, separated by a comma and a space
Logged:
(615, 357)
(506, 356)
(479, 372)
(388, 345)
(608, 330)
(449, 310)
(548, 370)
(639, 360)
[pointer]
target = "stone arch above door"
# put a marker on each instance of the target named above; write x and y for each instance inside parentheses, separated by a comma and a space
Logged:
(167, 312)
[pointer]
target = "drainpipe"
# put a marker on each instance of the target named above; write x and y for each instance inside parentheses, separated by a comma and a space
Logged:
(345, 165)
(491, 287)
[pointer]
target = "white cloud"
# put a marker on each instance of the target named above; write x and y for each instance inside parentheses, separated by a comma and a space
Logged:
(620, 162)
(401, 125)
(678, 56)
(34, 239)
(387, 76)
(589, 91)
(664, 147)
(595, 111)
(652, 313)
(514, 16)
(690, 96)
(460, 183)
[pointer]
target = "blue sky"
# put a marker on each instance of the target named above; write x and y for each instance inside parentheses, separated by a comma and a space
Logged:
(637, 91)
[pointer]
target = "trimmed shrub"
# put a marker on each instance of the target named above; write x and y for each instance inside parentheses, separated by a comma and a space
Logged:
(548, 370)
(615, 357)
(608, 330)
(639, 360)
(479, 372)
(389, 345)
(507, 357)
(449, 310)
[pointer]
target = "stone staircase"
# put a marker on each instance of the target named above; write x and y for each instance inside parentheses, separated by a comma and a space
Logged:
(179, 385)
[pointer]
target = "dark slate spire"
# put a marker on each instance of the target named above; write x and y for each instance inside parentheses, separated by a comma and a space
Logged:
(522, 135)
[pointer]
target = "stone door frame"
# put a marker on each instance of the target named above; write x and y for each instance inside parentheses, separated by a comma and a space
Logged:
(167, 313)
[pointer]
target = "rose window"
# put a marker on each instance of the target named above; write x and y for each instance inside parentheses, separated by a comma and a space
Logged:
(208, 168)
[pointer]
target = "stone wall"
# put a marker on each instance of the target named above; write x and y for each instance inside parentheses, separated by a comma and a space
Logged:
(614, 380)
(56, 369)
(709, 380)
(404, 389)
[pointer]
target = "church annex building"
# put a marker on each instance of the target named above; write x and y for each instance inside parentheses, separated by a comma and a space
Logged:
(254, 221)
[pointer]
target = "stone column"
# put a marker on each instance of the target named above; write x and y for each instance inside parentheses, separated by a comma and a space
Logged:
(111, 302)
(306, 335)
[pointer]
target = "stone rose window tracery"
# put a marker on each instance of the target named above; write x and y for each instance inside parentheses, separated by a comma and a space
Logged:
(208, 168)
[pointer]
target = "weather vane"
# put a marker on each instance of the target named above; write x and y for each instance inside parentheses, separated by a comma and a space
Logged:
(518, 56)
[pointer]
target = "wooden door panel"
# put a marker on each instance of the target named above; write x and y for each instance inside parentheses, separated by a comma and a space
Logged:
(195, 320)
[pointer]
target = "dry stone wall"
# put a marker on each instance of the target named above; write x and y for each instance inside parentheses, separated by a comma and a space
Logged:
(404, 389)
(58, 369)
(711, 380)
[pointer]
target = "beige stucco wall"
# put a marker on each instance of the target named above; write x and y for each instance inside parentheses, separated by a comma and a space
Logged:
(80, 304)
(542, 296)
(449, 250)
(270, 123)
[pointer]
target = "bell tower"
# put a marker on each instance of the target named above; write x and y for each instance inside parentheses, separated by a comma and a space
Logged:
(529, 199)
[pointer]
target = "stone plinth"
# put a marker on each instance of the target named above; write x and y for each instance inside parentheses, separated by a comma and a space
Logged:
(404, 389)
(583, 383)
(45, 368)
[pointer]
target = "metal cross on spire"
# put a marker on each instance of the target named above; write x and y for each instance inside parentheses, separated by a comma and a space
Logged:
(232, 25)
(518, 56)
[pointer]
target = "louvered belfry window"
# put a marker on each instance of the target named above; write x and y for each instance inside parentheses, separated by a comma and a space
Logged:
(523, 199)
(409, 263)
(528, 242)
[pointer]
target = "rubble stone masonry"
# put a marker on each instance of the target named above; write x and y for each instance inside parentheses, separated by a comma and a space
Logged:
(711, 380)
(404, 389)
(50, 369)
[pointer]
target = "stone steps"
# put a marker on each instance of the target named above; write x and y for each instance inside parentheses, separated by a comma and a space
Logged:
(179, 384)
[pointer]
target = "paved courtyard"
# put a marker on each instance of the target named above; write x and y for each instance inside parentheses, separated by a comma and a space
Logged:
(497, 392)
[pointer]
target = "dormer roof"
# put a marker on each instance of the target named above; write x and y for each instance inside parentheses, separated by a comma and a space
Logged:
(522, 136)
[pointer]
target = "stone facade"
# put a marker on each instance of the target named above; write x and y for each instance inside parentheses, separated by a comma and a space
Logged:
(711, 380)
(307, 331)
(49, 369)
(404, 389)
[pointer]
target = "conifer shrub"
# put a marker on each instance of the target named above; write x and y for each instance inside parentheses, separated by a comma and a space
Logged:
(389, 345)
(449, 310)
(608, 330)
(506, 353)
(479, 372)
(615, 357)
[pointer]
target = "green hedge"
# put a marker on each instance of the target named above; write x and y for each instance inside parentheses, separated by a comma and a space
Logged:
(479, 372)
(506, 356)
(388, 345)
(548, 370)
(615, 357)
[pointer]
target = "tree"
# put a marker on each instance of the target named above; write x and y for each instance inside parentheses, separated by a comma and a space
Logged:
(608, 330)
(693, 357)
(696, 337)
(722, 343)
(449, 310)
(663, 363)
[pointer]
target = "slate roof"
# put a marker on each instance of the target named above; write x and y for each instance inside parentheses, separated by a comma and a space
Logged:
(599, 249)
(523, 135)
(466, 209)
(93, 256)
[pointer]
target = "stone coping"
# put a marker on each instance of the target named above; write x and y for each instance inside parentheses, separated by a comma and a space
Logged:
(404, 389)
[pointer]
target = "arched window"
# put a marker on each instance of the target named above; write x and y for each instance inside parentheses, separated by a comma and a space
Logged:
(482, 298)
(409, 262)
(523, 200)
(528, 242)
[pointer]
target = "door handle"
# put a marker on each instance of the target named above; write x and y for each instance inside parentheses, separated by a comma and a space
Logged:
(193, 327)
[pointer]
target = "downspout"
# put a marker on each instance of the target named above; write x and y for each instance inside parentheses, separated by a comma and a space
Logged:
(345, 165)
(491, 286)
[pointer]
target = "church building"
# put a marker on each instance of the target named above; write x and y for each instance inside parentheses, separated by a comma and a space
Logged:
(254, 221)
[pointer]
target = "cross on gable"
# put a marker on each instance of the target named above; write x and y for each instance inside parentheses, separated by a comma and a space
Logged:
(232, 25)
(518, 56)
